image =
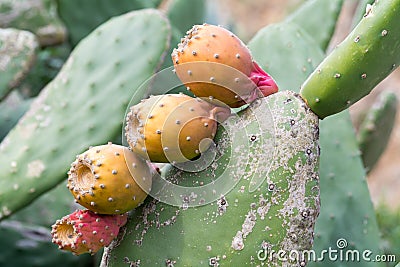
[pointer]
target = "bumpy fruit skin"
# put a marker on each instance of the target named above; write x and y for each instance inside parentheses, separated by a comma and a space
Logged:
(172, 127)
(213, 62)
(84, 231)
(110, 179)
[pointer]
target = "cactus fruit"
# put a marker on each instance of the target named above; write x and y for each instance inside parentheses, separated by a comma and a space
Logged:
(84, 231)
(172, 127)
(234, 76)
(109, 179)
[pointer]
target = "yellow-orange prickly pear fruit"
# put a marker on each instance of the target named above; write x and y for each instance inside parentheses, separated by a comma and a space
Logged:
(172, 127)
(213, 62)
(110, 179)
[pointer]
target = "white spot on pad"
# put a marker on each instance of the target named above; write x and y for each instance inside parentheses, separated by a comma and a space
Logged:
(35, 169)
(247, 228)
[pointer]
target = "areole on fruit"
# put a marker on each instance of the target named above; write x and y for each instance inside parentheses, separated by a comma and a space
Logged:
(223, 69)
(110, 179)
(172, 127)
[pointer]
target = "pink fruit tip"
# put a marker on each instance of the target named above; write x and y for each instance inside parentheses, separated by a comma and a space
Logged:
(84, 231)
(263, 81)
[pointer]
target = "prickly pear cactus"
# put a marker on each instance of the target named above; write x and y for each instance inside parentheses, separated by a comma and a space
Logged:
(17, 55)
(83, 106)
(37, 16)
(355, 224)
(184, 14)
(318, 18)
(272, 204)
(367, 56)
(11, 110)
(376, 128)
(347, 220)
(79, 24)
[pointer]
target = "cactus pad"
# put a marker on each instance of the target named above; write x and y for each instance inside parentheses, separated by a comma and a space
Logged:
(84, 105)
(238, 227)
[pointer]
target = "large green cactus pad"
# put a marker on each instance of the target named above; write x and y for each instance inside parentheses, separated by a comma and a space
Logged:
(234, 229)
(83, 106)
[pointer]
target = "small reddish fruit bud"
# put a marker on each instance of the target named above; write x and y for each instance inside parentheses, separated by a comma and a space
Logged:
(84, 231)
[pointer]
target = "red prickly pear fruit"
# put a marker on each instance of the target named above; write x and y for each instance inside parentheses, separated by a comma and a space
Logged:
(213, 62)
(172, 127)
(110, 179)
(84, 231)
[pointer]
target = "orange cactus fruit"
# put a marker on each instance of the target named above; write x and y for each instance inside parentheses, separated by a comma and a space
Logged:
(84, 231)
(172, 127)
(214, 63)
(110, 179)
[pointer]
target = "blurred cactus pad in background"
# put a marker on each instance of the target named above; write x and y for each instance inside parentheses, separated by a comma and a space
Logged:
(309, 169)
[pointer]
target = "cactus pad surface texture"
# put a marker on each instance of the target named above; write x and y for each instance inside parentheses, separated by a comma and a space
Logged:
(83, 106)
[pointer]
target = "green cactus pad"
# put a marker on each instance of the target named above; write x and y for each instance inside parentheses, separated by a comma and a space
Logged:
(375, 130)
(367, 56)
(236, 227)
(48, 208)
(80, 24)
(37, 16)
(318, 18)
(184, 14)
(332, 190)
(17, 55)
(83, 106)
(347, 213)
